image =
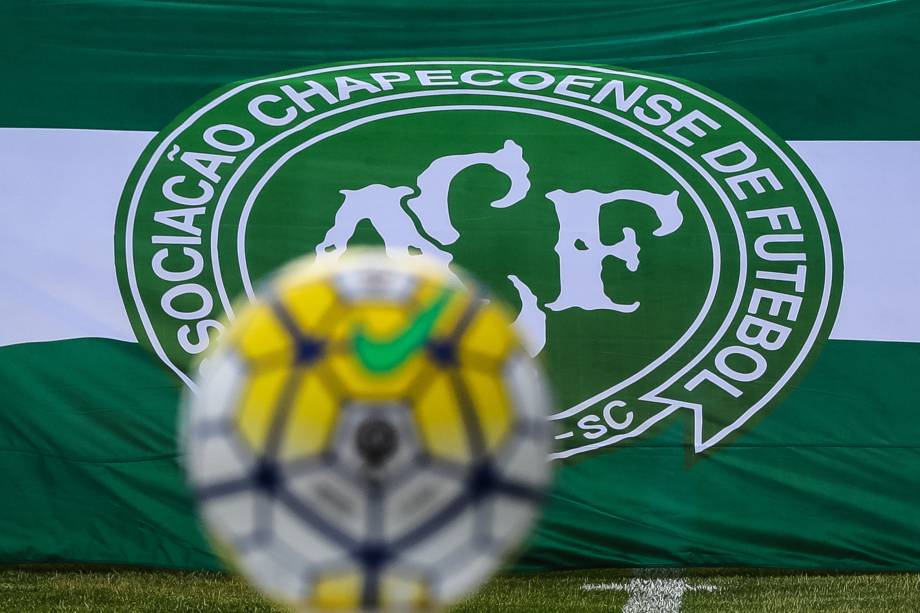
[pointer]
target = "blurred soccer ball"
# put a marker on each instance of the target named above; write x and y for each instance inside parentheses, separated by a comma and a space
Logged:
(368, 433)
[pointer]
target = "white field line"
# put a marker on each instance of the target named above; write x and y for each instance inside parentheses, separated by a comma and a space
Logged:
(647, 595)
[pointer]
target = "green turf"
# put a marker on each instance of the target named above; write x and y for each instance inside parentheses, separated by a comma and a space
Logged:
(102, 590)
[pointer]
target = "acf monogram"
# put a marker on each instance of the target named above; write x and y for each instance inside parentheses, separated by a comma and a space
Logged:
(668, 254)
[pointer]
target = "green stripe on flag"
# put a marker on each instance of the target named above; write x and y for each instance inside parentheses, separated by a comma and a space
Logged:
(88, 451)
(807, 69)
(91, 472)
(828, 480)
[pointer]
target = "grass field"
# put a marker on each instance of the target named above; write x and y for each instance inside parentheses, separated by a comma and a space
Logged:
(108, 590)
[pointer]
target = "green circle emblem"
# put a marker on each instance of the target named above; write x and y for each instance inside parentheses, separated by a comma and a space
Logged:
(667, 251)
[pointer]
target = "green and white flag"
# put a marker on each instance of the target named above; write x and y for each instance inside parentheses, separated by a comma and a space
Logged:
(713, 251)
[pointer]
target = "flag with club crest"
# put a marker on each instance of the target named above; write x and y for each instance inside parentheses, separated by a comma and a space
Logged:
(705, 215)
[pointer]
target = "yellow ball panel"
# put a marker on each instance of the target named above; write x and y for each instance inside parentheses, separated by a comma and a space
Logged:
(490, 401)
(428, 289)
(450, 318)
(260, 405)
(489, 336)
(380, 320)
(309, 305)
(359, 383)
(338, 592)
(260, 335)
(385, 320)
(401, 591)
(440, 422)
(311, 420)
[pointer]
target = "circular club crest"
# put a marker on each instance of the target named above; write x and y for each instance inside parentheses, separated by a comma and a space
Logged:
(665, 250)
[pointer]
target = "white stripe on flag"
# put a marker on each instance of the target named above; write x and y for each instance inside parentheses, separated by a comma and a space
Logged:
(872, 188)
(59, 190)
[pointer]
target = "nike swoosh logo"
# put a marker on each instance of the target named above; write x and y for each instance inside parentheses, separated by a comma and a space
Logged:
(384, 356)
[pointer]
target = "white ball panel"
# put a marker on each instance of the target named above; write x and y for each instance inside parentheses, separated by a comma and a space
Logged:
(527, 387)
(524, 459)
(277, 572)
(464, 571)
(416, 500)
(511, 519)
(234, 516)
(375, 283)
(216, 458)
(219, 387)
(302, 538)
(336, 500)
(450, 537)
